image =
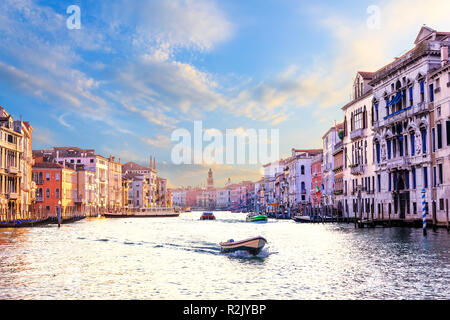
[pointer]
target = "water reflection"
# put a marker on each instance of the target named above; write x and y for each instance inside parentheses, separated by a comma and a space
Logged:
(180, 258)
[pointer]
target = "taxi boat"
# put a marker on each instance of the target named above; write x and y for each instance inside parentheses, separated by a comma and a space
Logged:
(251, 245)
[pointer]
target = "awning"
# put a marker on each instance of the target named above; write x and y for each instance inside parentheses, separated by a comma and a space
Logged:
(396, 99)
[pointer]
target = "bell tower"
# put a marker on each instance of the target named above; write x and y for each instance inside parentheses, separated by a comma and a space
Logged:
(210, 181)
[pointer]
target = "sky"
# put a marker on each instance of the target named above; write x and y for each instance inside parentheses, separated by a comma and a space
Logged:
(138, 70)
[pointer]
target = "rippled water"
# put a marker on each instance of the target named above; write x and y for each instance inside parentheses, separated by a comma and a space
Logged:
(180, 258)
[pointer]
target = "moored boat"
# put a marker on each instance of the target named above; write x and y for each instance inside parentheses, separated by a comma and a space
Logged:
(207, 215)
(256, 218)
(302, 219)
(251, 245)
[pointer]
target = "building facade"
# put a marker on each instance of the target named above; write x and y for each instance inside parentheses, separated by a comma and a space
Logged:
(404, 128)
(358, 170)
(56, 189)
(440, 115)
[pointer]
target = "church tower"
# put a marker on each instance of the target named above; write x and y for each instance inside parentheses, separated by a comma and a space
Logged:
(210, 181)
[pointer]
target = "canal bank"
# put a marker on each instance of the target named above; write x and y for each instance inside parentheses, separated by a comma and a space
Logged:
(99, 258)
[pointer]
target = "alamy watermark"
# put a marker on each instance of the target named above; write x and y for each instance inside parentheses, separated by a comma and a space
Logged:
(374, 20)
(74, 20)
(236, 146)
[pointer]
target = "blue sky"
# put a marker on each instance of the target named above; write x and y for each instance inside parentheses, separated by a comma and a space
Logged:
(137, 70)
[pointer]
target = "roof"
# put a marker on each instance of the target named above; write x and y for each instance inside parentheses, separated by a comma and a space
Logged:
(420, 48)
(133, 166)
(48, 165)
(362, 97)
(310, 151)
(366, 75)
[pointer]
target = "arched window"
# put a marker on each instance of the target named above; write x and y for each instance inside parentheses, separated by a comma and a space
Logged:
(364, 118)
(377, 151)
(365, 152)
(423, 132)
(345, 126)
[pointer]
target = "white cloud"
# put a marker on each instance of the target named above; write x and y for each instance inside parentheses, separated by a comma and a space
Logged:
(159, 142)
(192, 24)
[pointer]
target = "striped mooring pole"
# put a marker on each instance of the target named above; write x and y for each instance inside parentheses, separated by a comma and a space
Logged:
(424, 213)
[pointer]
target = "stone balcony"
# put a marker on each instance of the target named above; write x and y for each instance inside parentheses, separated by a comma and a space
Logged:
(403, 163)
(12, 196)
(357, 133)
(357, 170)
(12, 170)
(402, 114)
(398, 163)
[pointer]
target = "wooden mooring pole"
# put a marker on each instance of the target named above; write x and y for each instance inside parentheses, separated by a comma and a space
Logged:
(446, 206)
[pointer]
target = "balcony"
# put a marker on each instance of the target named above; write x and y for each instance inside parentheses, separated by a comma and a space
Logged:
(399, 163)
(12, 170)
(357, 169)
(357, 133)
(12, 196)
(39, 199)
(338, 147)
(420, 107)
(326, 167)
(303, 191)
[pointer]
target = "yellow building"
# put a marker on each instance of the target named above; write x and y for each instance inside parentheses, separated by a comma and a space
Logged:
(16, 187)
(115, 184)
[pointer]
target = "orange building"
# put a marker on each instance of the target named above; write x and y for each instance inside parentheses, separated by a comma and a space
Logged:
(56, 186)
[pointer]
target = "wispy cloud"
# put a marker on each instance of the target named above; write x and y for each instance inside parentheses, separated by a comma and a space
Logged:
(159, 142)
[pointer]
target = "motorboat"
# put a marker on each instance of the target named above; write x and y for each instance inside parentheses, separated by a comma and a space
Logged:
(302, 219)
(256, 218)
(251, 245)
(208, 215)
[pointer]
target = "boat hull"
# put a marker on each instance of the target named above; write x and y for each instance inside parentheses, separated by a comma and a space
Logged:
(252, 245)
(207, 218)
(208, 215)
(258, 218)
(302, 219)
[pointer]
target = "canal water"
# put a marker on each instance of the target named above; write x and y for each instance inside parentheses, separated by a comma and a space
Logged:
(180, 258)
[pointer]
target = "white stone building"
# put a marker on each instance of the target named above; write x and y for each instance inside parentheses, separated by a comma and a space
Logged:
(440, 118)
(329, 139)
(223, 198)
(403, 144)
(303, 177)
(179, 197)
(358, 169)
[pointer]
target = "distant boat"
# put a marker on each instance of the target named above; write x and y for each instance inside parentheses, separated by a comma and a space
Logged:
(207, 215)
(252, 245)
(302, 219)
(257, 218)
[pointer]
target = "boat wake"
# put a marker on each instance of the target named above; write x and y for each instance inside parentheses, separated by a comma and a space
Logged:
(242, 254)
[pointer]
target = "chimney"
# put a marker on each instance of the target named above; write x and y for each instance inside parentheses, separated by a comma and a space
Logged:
(151, 162)
(444, 56)
(154, 164)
